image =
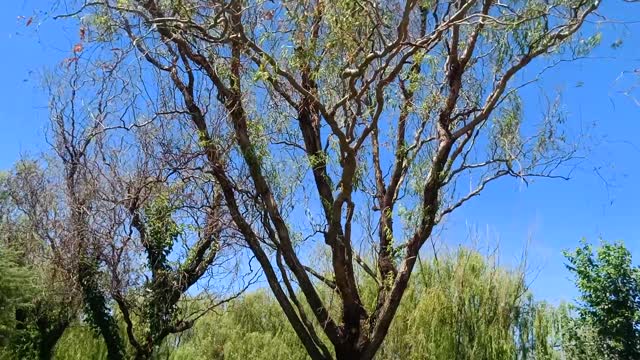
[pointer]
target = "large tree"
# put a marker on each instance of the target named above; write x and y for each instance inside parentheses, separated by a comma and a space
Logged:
(354, 126)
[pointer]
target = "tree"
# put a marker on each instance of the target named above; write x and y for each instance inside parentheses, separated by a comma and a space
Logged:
(610, 297)
(15, 292)
(120, 222)
(331, 123)
(120, 198)
(48, 300)
(15, 280)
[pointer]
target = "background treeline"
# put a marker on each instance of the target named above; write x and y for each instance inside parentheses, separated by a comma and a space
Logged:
(461, 305)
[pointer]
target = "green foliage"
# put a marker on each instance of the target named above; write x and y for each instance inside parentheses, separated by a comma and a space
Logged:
(252, 327)
(32, 317)
(508, 142)
(460, 306)
(585, 46)
(579, 340)
(17, 288)
(35, 306)
(80, 343)
(466, 307)
(162, 231)
(610, 297)
(97, 308)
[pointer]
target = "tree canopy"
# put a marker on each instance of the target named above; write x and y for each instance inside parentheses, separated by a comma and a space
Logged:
(610, 298)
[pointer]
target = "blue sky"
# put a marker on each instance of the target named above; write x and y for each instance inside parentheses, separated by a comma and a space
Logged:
(600, 200)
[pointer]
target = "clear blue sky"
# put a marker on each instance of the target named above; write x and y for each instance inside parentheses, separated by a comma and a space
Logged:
(549, 215)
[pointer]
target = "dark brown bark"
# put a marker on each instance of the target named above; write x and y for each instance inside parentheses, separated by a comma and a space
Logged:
(49, 336)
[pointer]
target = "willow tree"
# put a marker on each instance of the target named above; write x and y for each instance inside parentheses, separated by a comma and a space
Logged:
(351, 125)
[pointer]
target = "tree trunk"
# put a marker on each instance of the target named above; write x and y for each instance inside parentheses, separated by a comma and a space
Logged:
(348, 352)
(49, 338)
(97, 309)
